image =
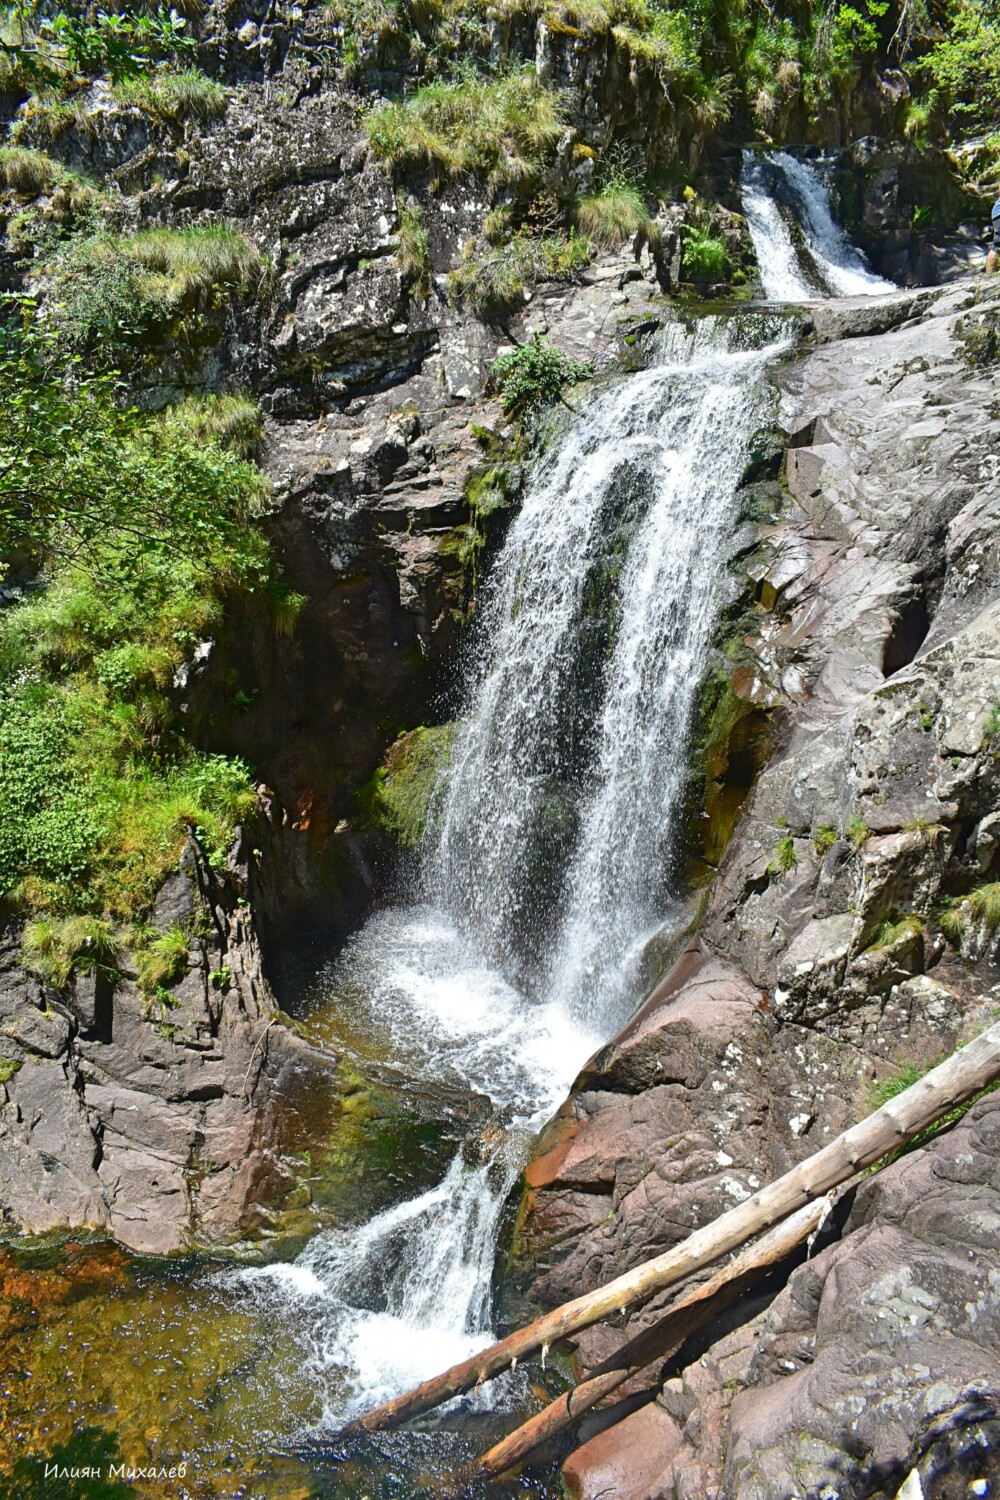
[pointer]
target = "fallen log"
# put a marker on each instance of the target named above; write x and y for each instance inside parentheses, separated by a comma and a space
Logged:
(952, 1083)
(654, 1343)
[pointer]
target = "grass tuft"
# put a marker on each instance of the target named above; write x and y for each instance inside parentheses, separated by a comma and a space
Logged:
(27, 172)
(233, 422)
(502, 130)
(984, 904)
(495, 282)
(162, 959)
(55, 948)
(614, 215)
(176, 97)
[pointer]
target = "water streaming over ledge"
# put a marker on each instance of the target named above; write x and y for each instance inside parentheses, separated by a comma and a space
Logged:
(550, 860)
(802, 253)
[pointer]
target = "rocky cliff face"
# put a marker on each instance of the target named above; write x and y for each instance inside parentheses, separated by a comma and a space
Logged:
(157, 1123)
(846, 934)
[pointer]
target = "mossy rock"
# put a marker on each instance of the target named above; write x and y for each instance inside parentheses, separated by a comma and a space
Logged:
(732, 743)
(402, 791)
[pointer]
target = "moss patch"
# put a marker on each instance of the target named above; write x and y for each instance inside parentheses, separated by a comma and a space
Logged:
(399, 796)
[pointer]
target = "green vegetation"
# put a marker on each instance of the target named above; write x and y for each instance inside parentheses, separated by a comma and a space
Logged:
(889, 933)
(957, 914)
(413, 254)
(232, 422)
(8, 1067)
(113, 292)
(953, 919)
(27, 172)
(495, 283)
(824, 837)
(784, 858)
(54, 947)
(162, 959)
(144, 534)
(401, 793)
(175, 96)
(991, 724)
(984, 904)
(704, 259)
(534, 375)
(897, 1083)
(614, 215)
(501, 129)
(47, 47)
(857, 832)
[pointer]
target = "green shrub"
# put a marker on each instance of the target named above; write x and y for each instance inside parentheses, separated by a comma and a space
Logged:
(113, 291)
(857, 832)
(953, 919)
(147, 534)
(888, 933)
(616, 214)
(784, 858)
(187, 95)
(960, 72)
(59, 47)
(824, 837)
(534, 375)
(502, 130)
(704, 259)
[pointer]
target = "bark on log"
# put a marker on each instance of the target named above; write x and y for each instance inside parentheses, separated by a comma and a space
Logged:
(957, 1079)
(681, 1320)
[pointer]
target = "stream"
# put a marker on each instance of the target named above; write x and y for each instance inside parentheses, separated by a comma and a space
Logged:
(545, 905)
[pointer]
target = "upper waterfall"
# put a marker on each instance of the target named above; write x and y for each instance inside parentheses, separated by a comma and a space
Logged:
(802, 253)
(560, 809)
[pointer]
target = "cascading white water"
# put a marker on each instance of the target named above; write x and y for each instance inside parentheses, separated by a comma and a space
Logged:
(550, 856)
(818, 261)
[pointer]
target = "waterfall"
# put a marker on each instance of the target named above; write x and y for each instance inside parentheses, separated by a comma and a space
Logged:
(550, 859)
(802, 253)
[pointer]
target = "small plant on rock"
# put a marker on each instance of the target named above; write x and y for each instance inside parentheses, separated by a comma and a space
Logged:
(857, 832)
(162, 959)
(984, 903)
(888, 933)
(704, 258)
(824, 837)
(953, 919)
(55, 948)
(784, 858)
(613, 216)
(535, 375)
(413, 254)
(185, 95)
